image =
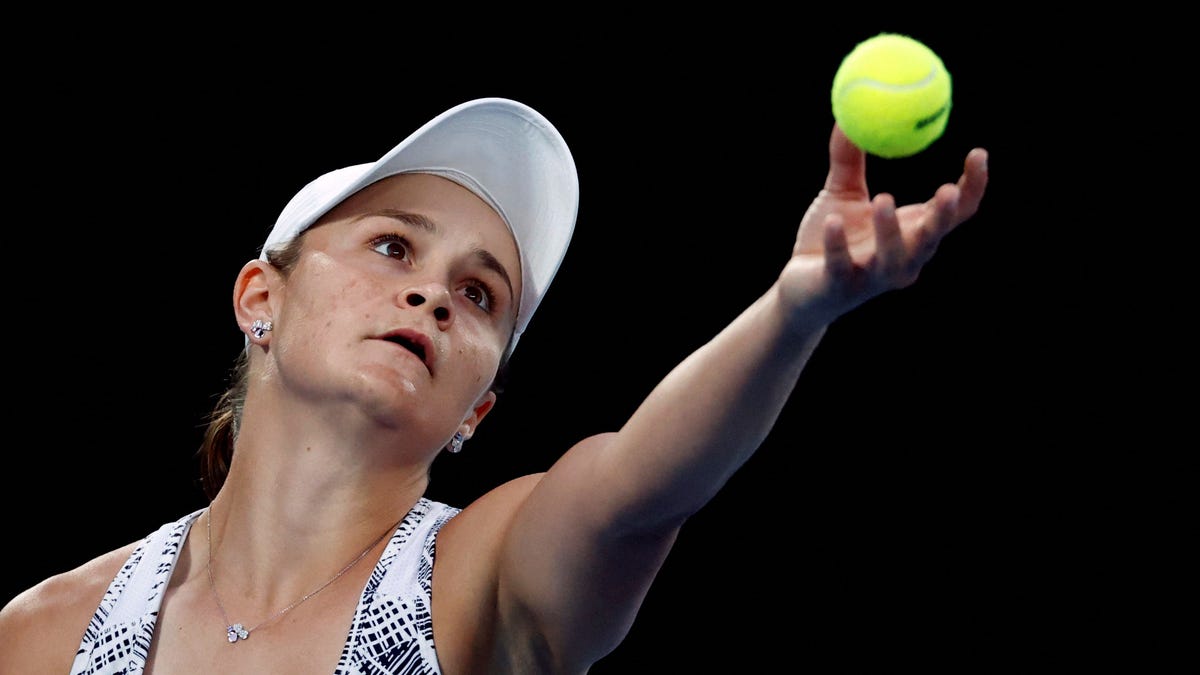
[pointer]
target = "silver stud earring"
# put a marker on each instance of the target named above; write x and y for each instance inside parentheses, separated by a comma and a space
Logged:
(456, 443)
(260, 328)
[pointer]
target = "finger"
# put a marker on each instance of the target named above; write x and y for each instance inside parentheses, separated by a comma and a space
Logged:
(838, 263)
(942, 217)
(944, 212)
(847, 166)
(889, 242)
(972, 183)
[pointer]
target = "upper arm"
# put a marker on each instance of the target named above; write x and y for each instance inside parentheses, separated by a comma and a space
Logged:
(41, 628)
(569, 571)
(540, 578)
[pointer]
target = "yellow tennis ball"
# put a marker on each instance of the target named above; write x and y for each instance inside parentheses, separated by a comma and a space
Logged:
(891, 95)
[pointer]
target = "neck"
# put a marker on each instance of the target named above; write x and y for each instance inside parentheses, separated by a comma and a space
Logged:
(282, 537)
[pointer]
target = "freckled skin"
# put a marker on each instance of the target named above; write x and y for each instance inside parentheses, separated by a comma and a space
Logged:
(342, 294)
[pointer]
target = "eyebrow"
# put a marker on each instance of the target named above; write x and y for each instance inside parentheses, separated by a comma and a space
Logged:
(421, 222)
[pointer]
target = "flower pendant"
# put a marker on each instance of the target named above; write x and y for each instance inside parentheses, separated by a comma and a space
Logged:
(236, 632)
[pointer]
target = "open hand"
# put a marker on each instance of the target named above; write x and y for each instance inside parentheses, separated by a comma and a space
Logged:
(851, 248)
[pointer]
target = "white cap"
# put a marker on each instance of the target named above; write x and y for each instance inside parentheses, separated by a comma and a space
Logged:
(505, 152)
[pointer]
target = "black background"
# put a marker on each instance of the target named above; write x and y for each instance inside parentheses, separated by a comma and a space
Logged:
(947, 489)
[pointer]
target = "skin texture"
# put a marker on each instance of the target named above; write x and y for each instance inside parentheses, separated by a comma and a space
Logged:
(544, 574)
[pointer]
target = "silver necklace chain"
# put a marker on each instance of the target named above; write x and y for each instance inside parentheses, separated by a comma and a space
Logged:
(237, 631)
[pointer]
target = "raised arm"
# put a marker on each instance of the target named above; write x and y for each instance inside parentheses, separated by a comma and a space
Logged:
(589, 539)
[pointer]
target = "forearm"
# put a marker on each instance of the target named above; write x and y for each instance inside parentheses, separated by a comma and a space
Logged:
(707, 416)
(600, 522)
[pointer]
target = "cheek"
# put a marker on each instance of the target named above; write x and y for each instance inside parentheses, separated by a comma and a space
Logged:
(326, 303)
(331, 287)
(483, 354)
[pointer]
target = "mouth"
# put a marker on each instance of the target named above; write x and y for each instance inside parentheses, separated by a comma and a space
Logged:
(416, 343)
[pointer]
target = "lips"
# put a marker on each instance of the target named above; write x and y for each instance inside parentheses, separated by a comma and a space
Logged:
(414, 341)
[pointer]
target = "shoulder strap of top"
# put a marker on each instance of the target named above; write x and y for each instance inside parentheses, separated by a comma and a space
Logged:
(117, 639)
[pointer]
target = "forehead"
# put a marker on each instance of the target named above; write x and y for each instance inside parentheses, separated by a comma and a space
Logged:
(423, 193)
(454, 208)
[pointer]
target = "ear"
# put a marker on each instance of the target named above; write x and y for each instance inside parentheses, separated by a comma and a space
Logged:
(482, 407)
(252, 293)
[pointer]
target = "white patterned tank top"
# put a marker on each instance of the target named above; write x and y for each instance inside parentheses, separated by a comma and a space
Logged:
(392, 630)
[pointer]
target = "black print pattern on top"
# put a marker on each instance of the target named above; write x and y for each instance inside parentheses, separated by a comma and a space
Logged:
(392, 631)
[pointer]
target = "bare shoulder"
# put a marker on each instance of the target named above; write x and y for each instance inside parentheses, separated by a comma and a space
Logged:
(502, 500)
(485, 523)
(40, 628)
(481, 525)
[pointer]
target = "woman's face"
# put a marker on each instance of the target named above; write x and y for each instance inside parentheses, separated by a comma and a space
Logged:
(400, 306)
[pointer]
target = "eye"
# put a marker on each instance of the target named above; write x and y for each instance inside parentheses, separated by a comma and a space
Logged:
(480, 294)
(391, 245)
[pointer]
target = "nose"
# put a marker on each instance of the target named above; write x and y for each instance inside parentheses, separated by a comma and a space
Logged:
(433, 297)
